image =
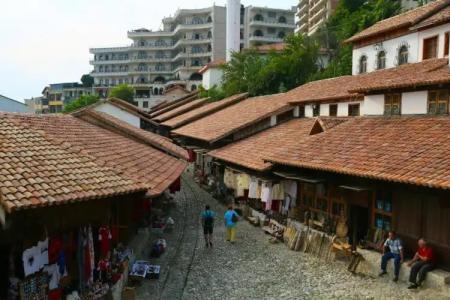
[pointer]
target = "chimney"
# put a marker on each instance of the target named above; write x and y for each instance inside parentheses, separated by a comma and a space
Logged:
(233, 27)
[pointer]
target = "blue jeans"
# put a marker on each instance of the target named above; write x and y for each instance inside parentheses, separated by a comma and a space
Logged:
(386, 257)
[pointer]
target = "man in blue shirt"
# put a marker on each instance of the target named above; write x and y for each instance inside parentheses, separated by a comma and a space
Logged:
(208, 217)
(231, 218)
(395, 250)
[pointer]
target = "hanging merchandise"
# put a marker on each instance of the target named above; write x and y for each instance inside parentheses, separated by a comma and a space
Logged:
(278, 192)
(104, 237)
(229, 179)
(266, 195)
(30, 259)
(242, 184)
(286, 204)
(53, 275)
(290, 188)
(43, 250)
(253, 189)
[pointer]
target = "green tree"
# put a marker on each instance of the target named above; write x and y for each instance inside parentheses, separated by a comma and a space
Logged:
(349, 18)
(124, 92)
(251, 72)
(81, 102)
(87, 80)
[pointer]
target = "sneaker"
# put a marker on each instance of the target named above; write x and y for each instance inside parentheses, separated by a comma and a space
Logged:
(382, 273)
(413, 286)
(395, 279)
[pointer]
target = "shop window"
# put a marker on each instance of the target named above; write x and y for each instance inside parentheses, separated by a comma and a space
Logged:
(403, 55)
(363, 64)
(392, 104)
(333, 110)
(430, 47)
(438, 102)
(316, 110)
(382, 211)
(381, 60)
(353, 110)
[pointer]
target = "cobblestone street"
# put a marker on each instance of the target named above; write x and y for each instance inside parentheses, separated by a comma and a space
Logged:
(252, 268)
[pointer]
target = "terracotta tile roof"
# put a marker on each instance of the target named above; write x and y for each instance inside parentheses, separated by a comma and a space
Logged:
(129, 107)
(173, 104)
(412, 150)
(135, 160)
(250, 152)
(403, 20)
(328, 89)
(214, 64)
(427, 72)
(111, 123)
(166, 103)
(180, 110)
(441, 17)
(203, 111)
(176, 87)
(231, 119)
(36, 171)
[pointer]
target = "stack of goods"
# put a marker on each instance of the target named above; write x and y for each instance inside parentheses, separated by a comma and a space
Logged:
(144, 269)
(308, 241)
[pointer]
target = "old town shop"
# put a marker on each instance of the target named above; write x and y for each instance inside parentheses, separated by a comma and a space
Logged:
(80, 245)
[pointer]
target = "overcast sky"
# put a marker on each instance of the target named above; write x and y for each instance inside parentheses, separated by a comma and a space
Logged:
(48, 41)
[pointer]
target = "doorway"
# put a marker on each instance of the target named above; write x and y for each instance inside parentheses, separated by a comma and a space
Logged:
(359, 224)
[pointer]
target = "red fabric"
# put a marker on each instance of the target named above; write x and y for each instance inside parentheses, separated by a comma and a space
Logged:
(176, 186)
(104, 237)
(103, 265)
(428, 253)
(276, 205)
(55, 295)
(54, 247)
(192, 155)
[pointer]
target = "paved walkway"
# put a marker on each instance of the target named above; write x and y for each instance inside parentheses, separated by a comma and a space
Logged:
(252, 268)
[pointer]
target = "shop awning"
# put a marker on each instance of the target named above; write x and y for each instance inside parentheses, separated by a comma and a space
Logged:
(299, 178)
(355, 188)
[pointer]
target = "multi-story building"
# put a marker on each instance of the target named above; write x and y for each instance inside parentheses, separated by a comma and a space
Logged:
(189, 40)
(263, 25)
(11, 105)
(56, 95)
(311, 14)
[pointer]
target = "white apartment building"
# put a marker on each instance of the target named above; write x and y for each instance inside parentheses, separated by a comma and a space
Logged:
(263, 25)
(189, 40)
(311, 14)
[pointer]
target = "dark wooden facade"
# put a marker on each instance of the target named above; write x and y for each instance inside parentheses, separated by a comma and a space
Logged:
(413, 212)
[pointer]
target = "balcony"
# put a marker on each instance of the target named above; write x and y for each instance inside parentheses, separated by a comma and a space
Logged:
(109, 62)
(179, 27)
(109, 73)
(137, 59)
(192, 42)
(108, 50)
(272, 23)
(191, 55)
(315, 5)
(166, 46)
(270, 39)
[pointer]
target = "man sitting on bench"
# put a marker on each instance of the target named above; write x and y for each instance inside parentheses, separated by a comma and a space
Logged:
(423, 262)
(392, 249)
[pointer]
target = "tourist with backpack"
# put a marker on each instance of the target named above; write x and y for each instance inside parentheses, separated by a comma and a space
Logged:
(208, 217)
(231, 219)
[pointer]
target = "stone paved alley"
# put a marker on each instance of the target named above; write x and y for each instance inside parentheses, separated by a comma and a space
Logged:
(252, 268)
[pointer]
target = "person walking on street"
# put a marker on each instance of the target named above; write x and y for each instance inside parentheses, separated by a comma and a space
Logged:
(392, 249)
(208, 217)
(231, 219)
(423, 262)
